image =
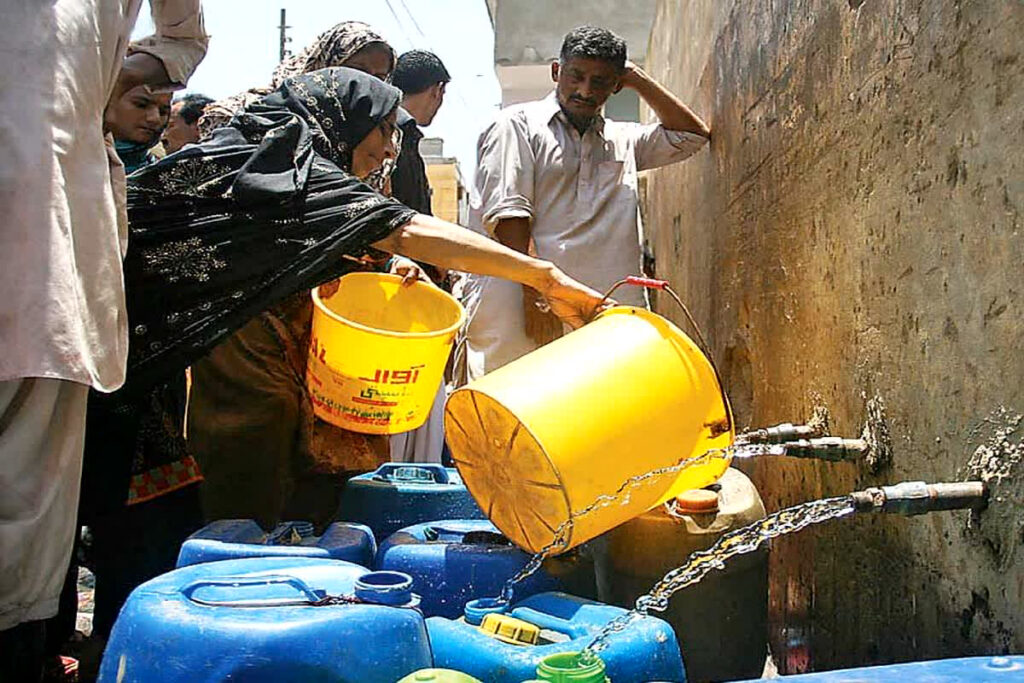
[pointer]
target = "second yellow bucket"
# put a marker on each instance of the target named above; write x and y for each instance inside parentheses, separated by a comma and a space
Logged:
(551, 432)
(378, 351)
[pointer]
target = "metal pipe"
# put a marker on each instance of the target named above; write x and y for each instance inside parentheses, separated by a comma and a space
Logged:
(917, 497)
(780, 433)
(832, 448)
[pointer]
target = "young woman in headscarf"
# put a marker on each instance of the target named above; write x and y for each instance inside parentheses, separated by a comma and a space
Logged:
(271, 206)
(351, 43)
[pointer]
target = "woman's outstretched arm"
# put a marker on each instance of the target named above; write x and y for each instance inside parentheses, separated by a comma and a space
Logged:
(450, 246)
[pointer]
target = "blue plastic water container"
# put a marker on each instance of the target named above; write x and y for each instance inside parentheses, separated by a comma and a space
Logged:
(645, 651)
(268, 620)
(976, 669)
(457, 560)
(398, 495)
(230, 539)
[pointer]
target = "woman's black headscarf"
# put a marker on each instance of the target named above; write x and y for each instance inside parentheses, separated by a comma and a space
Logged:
(223, 230)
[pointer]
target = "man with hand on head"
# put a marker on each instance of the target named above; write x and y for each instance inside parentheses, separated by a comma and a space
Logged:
(557, 176)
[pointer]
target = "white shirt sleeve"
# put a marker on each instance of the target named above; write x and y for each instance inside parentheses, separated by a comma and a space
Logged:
(504, 177)
(656, 146)
(180, 40)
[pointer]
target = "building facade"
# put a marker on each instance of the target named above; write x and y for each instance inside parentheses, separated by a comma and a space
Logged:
(449, 199)
(528, 36)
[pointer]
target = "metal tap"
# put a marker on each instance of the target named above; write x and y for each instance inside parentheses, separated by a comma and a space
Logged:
(780, 433)
(917, 497)
(832, 448)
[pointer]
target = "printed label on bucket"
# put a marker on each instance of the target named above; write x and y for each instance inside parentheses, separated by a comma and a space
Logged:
(382, 402)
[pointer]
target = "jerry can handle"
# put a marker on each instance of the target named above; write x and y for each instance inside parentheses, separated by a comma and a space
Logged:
(310, 593)
(550, 622)
(285, 533)
(438, 531)
(414, 473)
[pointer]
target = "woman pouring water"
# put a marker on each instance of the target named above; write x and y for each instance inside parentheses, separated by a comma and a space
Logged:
(267, 208)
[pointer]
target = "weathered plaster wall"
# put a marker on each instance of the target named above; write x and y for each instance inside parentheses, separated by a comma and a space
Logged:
(854, 231)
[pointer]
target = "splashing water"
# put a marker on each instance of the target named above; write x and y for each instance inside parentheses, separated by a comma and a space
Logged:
(560, 536)
(739, 542)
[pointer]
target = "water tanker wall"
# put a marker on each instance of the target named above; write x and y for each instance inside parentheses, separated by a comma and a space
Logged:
(853, 239)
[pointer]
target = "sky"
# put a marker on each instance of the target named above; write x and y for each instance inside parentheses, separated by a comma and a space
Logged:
(244, 44)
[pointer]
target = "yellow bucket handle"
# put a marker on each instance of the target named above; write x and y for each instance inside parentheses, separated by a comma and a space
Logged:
(663, 285)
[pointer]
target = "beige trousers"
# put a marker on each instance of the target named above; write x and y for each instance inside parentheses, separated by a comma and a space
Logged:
(425, 444)
(42, 432)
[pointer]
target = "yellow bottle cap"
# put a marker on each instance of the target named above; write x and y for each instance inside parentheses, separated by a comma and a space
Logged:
(510, 630)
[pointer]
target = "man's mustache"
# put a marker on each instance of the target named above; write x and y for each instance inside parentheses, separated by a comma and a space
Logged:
(583, 100)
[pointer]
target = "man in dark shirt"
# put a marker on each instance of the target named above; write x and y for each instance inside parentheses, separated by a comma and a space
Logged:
(422, 78)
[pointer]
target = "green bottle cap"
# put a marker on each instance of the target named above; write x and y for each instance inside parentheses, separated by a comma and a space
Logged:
(569, 667)
(438, 676)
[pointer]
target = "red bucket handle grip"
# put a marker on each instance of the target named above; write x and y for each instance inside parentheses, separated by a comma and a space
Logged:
(649, 283)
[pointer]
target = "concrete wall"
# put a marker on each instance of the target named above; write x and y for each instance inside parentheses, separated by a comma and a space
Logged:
(853, 235)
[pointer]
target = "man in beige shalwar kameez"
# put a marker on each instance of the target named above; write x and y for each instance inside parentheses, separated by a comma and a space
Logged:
(63, 233)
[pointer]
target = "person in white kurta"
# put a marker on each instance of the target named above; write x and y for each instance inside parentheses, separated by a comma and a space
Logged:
(63, 232)
(556, 174)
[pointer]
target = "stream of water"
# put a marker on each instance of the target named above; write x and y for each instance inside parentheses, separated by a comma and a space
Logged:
(739, 542)
(621, 495)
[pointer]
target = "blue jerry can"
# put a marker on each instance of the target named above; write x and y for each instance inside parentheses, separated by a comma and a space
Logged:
(546, 624)
(230, 539)
(458, 560)
(975, 669)
(267, 620)
(398, 495)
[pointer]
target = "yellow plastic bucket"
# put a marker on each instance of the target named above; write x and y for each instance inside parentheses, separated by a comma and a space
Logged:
(378, 351)
(572, 421)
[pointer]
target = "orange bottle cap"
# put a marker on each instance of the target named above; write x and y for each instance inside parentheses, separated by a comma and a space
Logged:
(697, 501)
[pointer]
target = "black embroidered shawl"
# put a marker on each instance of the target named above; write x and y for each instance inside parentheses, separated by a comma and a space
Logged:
(225, 229)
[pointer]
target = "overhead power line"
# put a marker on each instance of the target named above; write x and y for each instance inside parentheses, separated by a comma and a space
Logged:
(398, 22)
(416, 24)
